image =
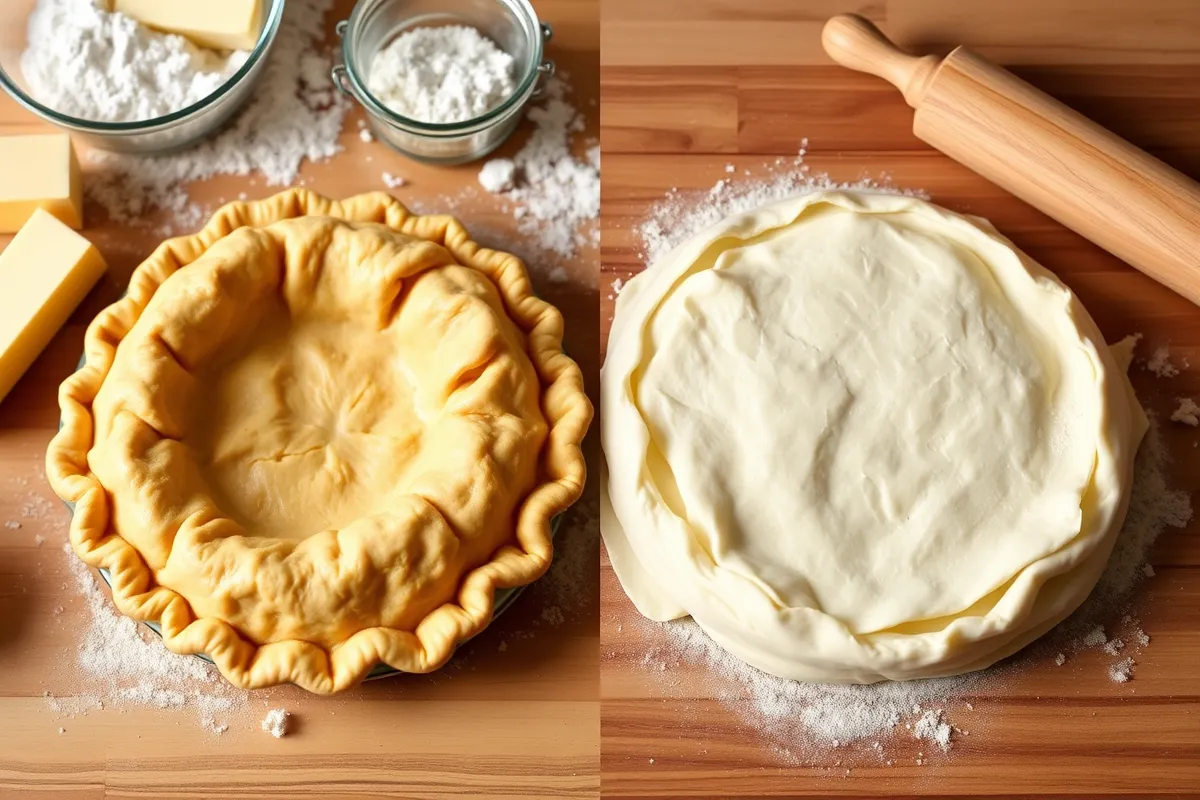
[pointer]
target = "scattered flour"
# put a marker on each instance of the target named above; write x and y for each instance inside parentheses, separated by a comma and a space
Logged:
(680, 215)
(1060, 659)
(931, 727)
(210, 724)
(13, 525)
(556, 194)
(121, 663)
(37, 506)
(1122, 671)
(1154, 506)
(276, 722)
(441, 75)
(392, 181)
(1160, 363)
(806, 716)
(569, 591)
(1096, 637)
(555, 199)
(572, 575)
(90, 63)
(294, 115)
(364, 132)
(1188, 412)
(497, 175)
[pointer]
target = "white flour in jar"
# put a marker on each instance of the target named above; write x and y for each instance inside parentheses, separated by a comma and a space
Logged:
(97, 65)
(441, 75)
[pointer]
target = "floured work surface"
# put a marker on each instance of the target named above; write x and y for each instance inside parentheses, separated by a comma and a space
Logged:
(1118, 715)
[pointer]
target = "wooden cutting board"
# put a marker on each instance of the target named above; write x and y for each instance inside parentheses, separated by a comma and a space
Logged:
(515, 716)
(690, 86)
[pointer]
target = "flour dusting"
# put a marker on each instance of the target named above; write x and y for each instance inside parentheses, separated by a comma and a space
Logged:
(1160, 363)
(120, 663)
(557, 194)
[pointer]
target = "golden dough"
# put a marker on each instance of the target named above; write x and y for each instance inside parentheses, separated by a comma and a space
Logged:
(322, 434)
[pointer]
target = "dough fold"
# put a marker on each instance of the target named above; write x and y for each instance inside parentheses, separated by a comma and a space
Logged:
(858, 437)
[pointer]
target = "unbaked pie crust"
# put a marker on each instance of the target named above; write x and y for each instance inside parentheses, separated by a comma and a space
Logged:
(319, 435)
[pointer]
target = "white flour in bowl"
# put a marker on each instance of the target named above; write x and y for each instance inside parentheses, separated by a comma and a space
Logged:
(90, 63)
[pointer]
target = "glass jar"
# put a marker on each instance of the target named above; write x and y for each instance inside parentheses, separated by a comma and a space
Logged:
(511, 24)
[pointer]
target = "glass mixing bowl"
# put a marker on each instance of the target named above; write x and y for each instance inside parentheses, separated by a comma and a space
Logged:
(174, 131)
(511, 24)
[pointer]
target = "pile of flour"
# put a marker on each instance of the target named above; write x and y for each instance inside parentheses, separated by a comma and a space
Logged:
(806, 721)
(90, 63)
(556, 195)
(441, 75)
(121, 663)
(294, 114)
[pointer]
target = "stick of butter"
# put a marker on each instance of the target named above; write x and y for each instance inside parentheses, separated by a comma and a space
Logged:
(220, 24)
(46, 271)
(39, 171)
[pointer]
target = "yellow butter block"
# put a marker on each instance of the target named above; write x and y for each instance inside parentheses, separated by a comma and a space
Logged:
(220, 24)
(45, 271)
(39, 171)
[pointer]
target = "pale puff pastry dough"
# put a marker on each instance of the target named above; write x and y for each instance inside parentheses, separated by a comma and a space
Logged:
(319, 435)
(858, 437)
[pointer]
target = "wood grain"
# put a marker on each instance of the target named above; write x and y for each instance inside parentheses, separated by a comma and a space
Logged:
(688, 88)
(515, 715)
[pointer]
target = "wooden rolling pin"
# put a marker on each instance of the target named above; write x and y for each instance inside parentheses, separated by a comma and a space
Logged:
(1084, 176)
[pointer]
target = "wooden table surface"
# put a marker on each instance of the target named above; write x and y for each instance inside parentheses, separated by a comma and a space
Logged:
(515, 715)
(689, 86)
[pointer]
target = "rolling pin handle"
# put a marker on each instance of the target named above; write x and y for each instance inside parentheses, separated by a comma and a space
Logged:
(855, 42)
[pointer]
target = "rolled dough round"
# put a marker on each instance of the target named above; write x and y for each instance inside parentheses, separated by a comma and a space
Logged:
(859, 437)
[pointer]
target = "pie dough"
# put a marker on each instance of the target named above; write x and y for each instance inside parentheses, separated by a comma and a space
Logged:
(858, 437)
(319, 435)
